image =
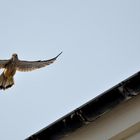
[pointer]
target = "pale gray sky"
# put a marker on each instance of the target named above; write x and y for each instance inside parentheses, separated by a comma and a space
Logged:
(100, 41)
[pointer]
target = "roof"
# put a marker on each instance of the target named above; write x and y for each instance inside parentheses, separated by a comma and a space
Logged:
(91, 111)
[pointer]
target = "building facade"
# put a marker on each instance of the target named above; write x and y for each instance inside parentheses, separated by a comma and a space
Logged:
(113, 115)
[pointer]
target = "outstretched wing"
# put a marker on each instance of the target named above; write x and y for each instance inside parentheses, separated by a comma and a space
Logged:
(32, 65)
(3, 63)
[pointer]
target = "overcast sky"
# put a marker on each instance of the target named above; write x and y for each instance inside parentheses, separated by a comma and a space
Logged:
(100, 40)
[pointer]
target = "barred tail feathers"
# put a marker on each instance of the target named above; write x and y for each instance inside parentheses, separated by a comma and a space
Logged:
(6, 82)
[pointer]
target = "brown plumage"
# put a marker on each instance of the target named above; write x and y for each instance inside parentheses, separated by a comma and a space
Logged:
(14, 64)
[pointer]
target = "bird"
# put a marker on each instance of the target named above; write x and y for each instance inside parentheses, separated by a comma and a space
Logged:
(14, 64)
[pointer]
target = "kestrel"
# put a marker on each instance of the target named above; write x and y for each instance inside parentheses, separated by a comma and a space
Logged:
(12, 65)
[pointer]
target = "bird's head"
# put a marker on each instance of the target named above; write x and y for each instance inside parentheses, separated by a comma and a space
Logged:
(14, 56)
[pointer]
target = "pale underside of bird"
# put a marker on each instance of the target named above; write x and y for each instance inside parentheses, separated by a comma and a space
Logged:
(14, 64)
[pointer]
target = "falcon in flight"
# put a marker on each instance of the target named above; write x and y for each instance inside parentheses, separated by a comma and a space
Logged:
(12, 65)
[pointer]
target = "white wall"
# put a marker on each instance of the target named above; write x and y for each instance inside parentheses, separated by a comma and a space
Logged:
(123, 122)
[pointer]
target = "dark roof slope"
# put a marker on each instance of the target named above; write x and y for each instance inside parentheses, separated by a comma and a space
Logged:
(90, 111)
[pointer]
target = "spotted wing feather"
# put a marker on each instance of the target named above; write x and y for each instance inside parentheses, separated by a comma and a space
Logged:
(32, 65)
(3, 63)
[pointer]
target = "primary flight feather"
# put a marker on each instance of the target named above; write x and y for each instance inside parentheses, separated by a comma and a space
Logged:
(14, 64)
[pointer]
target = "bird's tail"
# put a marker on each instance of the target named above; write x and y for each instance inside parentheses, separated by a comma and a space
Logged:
(6, 82)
